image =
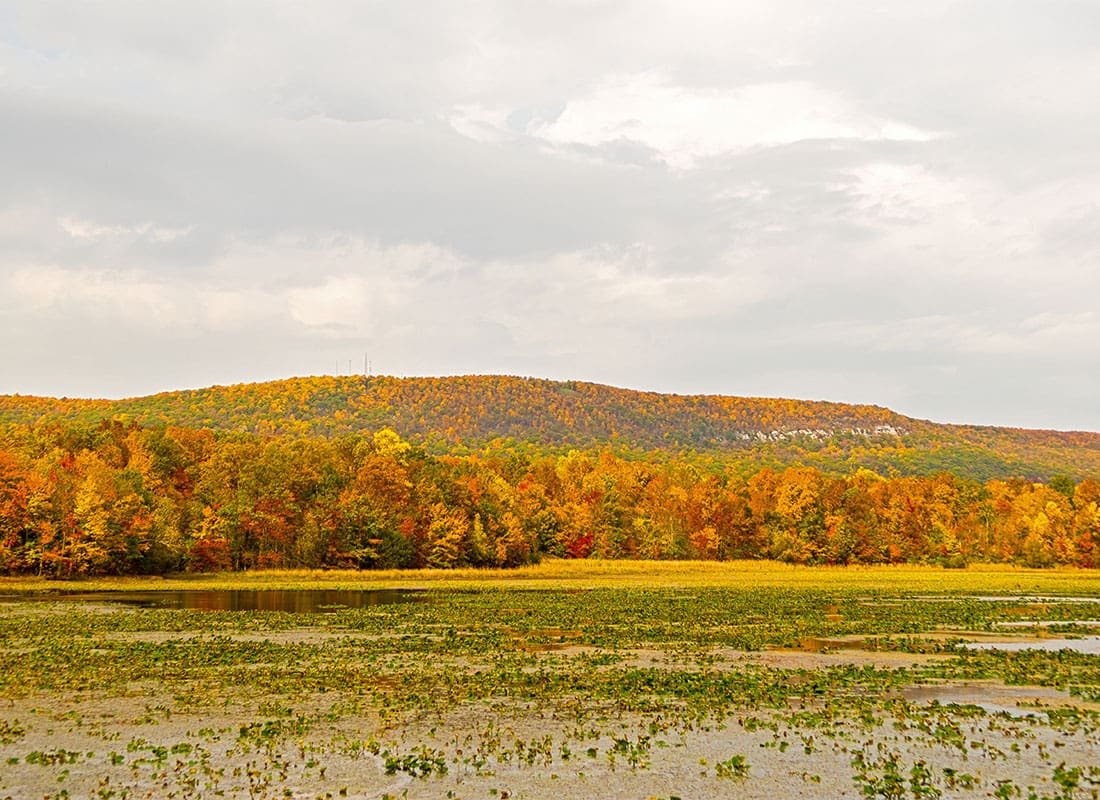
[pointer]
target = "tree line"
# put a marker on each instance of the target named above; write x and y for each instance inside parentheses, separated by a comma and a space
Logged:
(119, 498)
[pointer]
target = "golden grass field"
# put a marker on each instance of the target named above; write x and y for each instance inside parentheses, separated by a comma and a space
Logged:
(975, 579)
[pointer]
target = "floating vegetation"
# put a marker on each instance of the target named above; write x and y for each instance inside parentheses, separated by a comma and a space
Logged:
(514, 690)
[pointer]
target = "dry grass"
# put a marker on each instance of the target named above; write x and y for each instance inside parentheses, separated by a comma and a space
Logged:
(977, 579)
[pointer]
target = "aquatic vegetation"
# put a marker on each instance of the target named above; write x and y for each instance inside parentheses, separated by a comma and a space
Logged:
(834, 679)
(736, 766)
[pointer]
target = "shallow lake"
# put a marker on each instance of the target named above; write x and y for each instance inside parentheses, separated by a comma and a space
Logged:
(298, 601)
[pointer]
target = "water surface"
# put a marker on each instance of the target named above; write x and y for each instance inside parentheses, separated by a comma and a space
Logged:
(1085, 644)
(298, 601)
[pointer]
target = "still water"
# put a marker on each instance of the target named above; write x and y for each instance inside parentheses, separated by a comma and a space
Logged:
(1084, 644)
(298, 601)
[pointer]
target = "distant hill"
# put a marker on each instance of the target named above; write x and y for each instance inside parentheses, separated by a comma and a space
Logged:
(503, 413)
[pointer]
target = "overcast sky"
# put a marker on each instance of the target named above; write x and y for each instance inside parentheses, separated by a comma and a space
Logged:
(880, 202)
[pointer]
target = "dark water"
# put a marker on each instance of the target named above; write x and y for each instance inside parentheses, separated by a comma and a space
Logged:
(298, 601)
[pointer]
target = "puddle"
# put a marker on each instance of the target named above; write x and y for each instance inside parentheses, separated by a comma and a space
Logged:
(991, 598)
(541, 640)
(300, 601)
(814, 644)
(1086, 644)
(991, 696)
(1083, 623)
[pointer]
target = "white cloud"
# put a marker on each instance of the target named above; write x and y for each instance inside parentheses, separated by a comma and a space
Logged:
(1050, 335)
(686, 125)
(103, 294)
(331, 284)
(87, 230)
(905, 191)
(339, 305)
(481, 124)
(228, 309)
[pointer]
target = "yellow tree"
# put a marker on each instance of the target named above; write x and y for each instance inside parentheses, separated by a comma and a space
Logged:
(448, 531)
(90, 549)
(15, 517)
(799, 533)
(1086, 522)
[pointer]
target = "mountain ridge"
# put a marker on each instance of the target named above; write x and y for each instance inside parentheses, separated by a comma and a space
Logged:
(501, 412)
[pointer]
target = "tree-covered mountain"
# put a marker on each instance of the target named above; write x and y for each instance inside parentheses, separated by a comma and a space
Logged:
(500, 471)
(497, 414)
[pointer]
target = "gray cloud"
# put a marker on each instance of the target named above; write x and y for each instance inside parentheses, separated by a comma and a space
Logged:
(892, 205)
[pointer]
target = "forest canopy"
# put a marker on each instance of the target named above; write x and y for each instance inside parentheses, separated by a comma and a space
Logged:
(116, 497)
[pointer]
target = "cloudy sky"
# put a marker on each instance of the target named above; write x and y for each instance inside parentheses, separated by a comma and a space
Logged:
(882, 202)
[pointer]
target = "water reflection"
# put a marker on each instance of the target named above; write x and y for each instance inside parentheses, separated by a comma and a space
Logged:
(298, 601)
(1086, 644)
(991, 696)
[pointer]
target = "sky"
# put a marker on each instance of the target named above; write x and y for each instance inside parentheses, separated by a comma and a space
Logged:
(884, 202)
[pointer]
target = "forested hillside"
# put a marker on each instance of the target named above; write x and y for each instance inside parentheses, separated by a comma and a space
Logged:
(500, 414)
(114, 497)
